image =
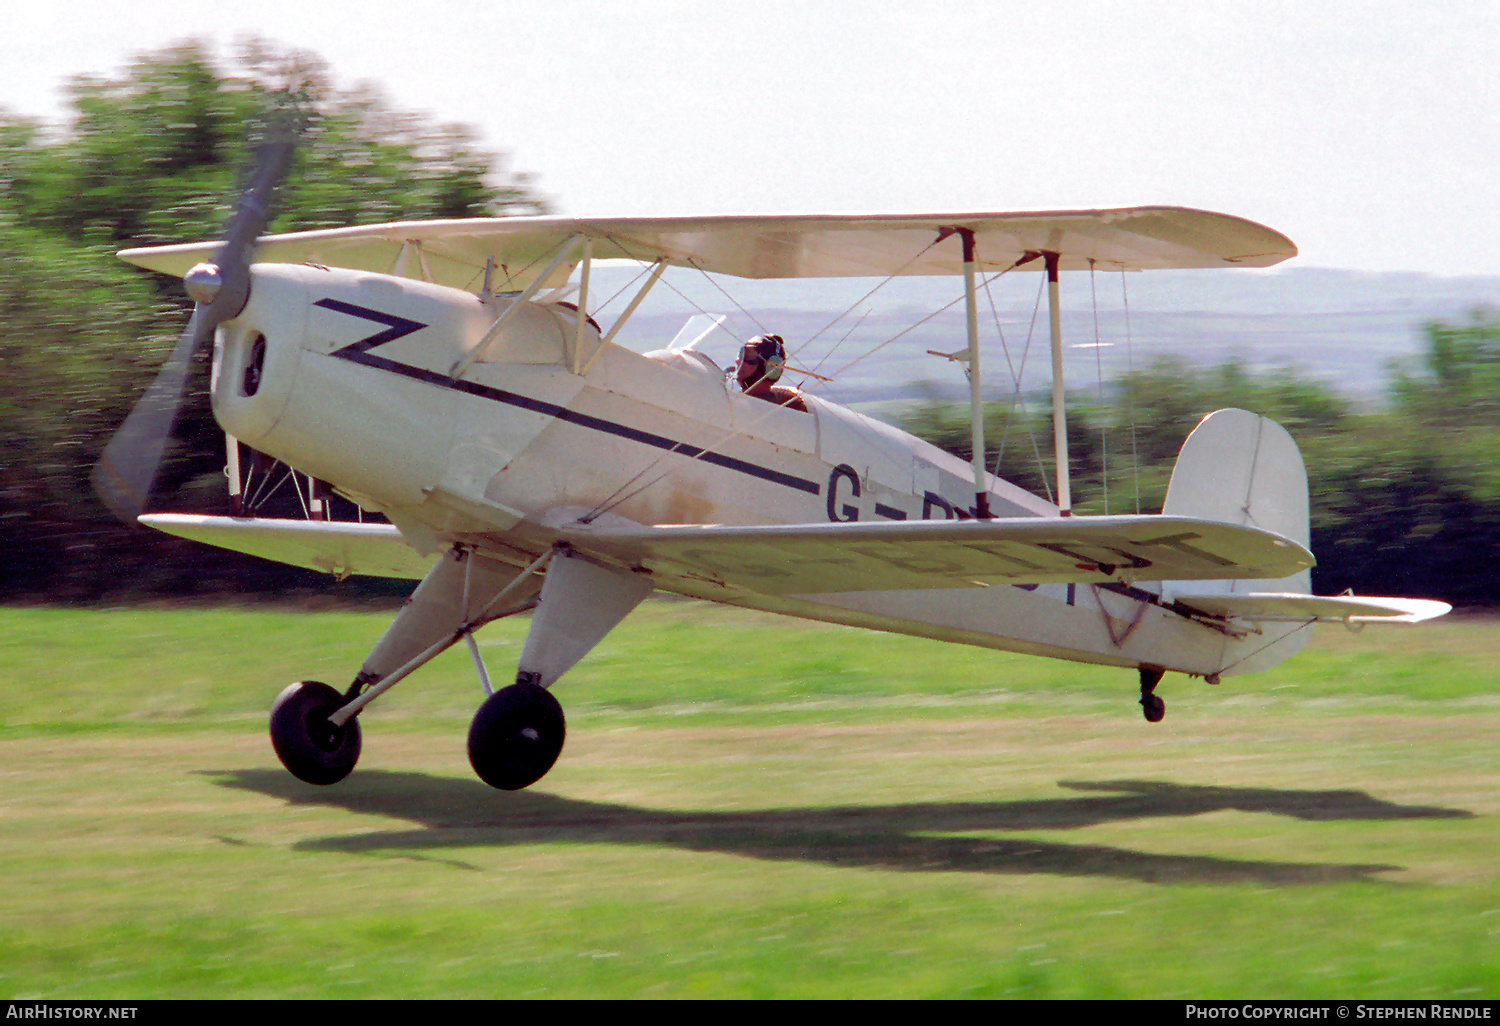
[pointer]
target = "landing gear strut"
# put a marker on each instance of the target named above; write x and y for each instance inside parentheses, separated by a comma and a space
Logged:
(518, 732)
(1152, 705)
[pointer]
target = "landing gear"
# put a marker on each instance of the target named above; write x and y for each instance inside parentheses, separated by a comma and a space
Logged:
(518, 732)
(311, 747)
(516, 736)
(1152, 705)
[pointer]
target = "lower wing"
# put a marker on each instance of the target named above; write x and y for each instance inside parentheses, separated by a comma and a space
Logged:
(826, 558)
(338, 548)
(844, 557)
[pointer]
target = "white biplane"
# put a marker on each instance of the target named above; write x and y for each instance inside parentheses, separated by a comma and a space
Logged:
(525, 461)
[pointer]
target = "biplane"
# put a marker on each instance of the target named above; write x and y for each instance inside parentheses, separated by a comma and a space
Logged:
(523, 460)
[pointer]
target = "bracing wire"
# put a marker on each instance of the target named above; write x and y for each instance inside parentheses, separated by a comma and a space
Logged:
(722, 291)
(690, 301)
(908, 330)
(265, 489)
(1017, 376)
(615, 498)
(866, 355)
(644, 269)
(1304, 625)
(625, 492)
(854, 306)
(813, 373)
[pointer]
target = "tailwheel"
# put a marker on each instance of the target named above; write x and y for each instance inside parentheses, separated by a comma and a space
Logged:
(312, 748)
(516, 736)
(1152, 705)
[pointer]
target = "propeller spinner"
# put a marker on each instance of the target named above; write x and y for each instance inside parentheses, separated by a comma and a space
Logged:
(127, 469)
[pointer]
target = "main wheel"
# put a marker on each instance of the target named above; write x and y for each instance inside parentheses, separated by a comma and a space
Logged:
(306, 743)
(516, 736)
(1154, 707)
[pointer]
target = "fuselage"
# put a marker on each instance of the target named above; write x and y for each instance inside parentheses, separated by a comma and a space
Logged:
(360, 380)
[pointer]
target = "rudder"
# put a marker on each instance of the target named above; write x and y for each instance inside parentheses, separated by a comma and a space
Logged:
(1244, 469)
(1241, 468)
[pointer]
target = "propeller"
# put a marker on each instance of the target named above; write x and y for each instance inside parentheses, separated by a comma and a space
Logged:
(128, 467)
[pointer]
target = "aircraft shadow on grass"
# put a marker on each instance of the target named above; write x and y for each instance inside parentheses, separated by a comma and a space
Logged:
(453, 813)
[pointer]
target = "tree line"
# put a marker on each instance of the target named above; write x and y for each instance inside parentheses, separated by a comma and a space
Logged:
(153, 155)
(1405, 498)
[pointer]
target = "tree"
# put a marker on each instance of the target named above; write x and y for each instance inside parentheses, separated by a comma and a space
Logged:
(1404, 501)
(1461, 386)
(79, 338)
(152, 156)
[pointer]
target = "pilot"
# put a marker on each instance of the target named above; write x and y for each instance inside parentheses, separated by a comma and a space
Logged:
(761, 362)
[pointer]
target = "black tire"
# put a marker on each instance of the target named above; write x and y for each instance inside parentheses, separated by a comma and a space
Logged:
(516, 736)
(308, 745)
(1154, 707)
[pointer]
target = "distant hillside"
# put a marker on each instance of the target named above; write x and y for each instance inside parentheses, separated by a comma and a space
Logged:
(1343, 327)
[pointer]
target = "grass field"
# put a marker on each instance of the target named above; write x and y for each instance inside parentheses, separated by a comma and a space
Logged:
(747, 807)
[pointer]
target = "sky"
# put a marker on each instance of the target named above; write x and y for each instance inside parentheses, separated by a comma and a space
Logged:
(1368, 132)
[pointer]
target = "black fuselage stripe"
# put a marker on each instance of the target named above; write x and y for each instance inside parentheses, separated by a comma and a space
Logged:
(581, 419)
(396, 327)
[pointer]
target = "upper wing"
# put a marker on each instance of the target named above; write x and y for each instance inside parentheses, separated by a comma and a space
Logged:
(826, 558)
(372, 550)
(773, 246)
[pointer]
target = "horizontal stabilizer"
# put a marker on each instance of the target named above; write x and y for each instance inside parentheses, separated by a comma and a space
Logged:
(1280, 607)
(865, 556)
(341, 549)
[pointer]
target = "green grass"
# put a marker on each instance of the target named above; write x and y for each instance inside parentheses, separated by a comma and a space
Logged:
(747, 806)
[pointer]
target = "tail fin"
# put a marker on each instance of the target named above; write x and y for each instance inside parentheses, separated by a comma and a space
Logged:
(1240, 468)
(1244, 469)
